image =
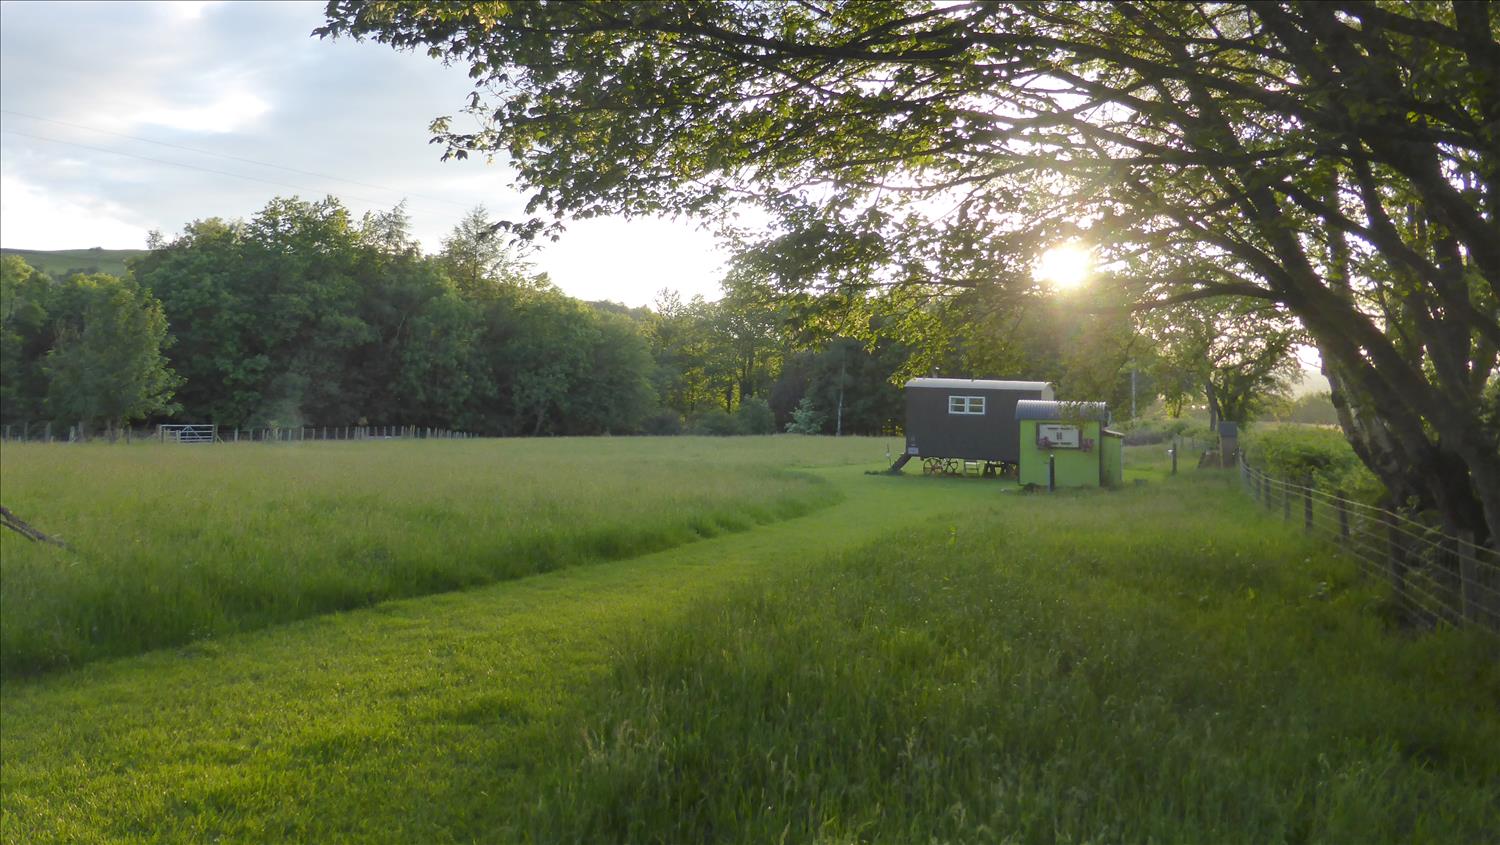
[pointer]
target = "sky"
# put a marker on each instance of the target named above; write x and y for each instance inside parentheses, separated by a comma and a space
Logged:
(120, 118)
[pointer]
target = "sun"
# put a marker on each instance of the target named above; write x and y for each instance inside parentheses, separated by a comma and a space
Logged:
(1064, 267)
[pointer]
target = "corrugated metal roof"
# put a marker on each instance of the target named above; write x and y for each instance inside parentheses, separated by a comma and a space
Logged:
(1044, 409)
(982, 384)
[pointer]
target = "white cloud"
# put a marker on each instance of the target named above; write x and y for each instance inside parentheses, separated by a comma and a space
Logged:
(185, 11)
(33, 218)
(230, 112)
(247, 81)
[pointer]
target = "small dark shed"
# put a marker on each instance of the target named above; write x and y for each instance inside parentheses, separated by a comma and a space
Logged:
(967, 419)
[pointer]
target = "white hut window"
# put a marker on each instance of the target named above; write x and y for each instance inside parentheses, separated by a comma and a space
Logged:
(966, 404)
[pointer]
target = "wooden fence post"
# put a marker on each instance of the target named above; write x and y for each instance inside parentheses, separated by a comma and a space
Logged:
(1338, 502)
(1307, 513)
(1286, 501)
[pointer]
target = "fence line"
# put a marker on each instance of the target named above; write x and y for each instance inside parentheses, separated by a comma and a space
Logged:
(1435, 578)
(59, 433)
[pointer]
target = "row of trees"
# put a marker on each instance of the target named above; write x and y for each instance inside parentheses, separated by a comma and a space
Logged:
(304, 315)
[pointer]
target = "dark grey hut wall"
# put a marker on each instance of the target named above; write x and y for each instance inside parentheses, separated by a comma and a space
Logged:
(935, 433)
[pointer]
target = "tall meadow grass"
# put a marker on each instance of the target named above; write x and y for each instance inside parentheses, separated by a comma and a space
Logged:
(170, 544)
(1126, 666)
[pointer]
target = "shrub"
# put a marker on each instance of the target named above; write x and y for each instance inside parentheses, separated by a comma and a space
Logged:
(1310, 454)
(805, 419)
(662, 423)
(755, 417)
(716, 422)
(1147, 432)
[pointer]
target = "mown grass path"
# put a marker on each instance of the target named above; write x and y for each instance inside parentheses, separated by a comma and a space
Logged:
(412, 721)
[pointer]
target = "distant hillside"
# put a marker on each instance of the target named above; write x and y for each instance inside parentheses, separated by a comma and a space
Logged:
(62, 262)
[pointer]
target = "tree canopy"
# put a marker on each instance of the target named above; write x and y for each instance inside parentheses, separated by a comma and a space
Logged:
(88, 350)
(1338, 161)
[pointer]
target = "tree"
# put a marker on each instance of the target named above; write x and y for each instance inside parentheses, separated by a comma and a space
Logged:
(851, 382)
(477, 259)
(264, 314)
(696, 364)
(615, 387)
(26, 333)
(1237, 354)
(107, 366)
(1339, 160)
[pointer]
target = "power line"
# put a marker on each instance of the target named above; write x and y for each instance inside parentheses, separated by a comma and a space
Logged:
(200, 151)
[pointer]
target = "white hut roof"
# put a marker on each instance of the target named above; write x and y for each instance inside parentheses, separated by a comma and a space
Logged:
(982, 384)
(1038, 409)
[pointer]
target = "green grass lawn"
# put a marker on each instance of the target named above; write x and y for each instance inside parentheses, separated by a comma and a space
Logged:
(172, 544)
(923, 660)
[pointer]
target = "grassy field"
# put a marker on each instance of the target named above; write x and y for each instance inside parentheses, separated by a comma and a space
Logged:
(173, 544)
(923, 660)
(59, 262)
(1138, 670)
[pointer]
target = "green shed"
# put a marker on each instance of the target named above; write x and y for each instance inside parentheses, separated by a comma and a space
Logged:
(1112, 458)
(1073, 434)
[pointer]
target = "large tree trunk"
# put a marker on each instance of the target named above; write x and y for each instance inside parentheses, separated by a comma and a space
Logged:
(1414, 468)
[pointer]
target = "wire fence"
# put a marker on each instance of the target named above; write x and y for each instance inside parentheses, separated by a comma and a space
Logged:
(63, 433)
(1435, 578)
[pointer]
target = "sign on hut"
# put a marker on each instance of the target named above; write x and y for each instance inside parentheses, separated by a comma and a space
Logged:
(1066, 444)
(953, 424)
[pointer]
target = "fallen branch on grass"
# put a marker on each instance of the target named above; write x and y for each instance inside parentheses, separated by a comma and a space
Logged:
(18, 525)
